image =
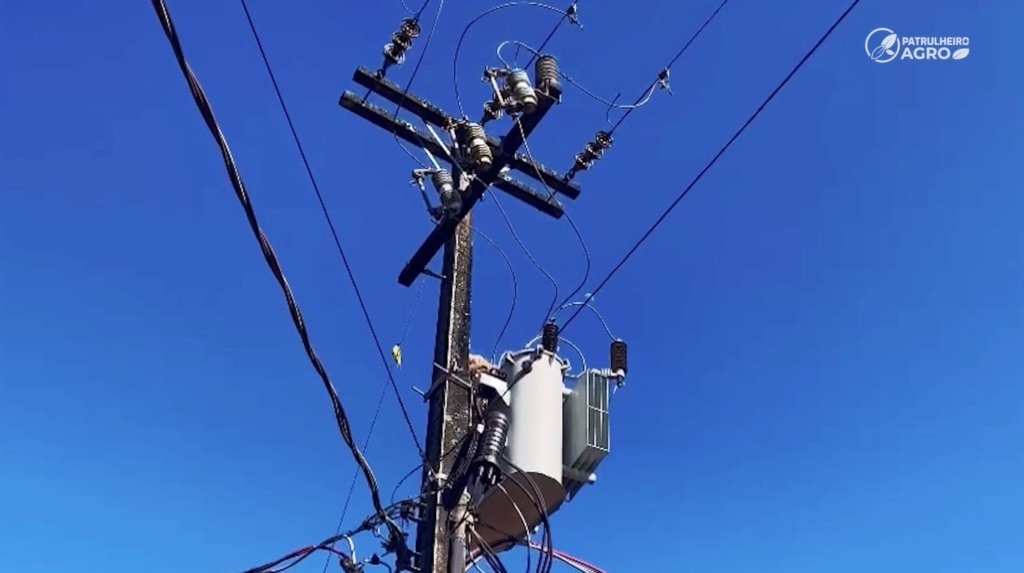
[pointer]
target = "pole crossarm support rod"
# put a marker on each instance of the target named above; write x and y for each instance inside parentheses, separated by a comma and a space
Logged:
(435, 116)
(410, 133)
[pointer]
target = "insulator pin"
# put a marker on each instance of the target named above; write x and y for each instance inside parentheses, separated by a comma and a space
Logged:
(451, 199)
(545, 70)
(618, 356)
(479, 151)
(549, 336)
(517, 83)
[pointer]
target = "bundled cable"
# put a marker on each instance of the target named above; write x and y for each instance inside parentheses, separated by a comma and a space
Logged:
(268, 253)
(348, 560)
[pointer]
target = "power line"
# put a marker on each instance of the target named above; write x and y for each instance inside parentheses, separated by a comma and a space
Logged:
(352, 483)
(570, 14)
(515, 290)
(462, 37)
(330, 224)
(415, 71)
(576, 230)
(586, 258)
(341, 417)
(529, 255)
(714, 160)
(650, 89)
(398, 108)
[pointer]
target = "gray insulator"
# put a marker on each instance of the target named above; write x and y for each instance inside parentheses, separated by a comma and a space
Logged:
(618, 356)
(479, 152)
(451, 200)
(492, 440)
(546, 72)
(518, 83)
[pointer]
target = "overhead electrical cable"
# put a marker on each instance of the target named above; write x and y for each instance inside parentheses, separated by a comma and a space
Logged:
(419, 12)
(337, 243)
(462, 37)
(661, 218)
(412, 76)
(569, 14)
(341, 417)
(515, 290)
(526, 250)
(650, 89)
(568, 218)
(330, 223)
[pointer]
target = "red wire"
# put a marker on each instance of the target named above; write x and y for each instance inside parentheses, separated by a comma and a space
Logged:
(302, 552)
(573, 558)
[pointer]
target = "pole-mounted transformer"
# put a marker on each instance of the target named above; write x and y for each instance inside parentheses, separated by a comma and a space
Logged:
(556, 429)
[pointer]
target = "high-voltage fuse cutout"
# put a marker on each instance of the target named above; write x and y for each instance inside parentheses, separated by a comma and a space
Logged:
(451, 199)
(444, 183)
(514, 95)
(517, 84)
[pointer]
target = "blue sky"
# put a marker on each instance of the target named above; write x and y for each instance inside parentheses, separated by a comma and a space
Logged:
(824, 337)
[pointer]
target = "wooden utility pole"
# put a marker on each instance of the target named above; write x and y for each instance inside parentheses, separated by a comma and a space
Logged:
(449, 416)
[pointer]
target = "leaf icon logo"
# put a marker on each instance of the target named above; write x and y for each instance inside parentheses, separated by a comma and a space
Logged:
(888, 42)
(961, 53)
(885, 47)
(885, 51)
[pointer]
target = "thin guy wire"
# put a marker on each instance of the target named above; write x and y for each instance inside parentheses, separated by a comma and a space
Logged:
(412, 313)
(586, 257)
(415, 15)
(398, 109)
(242, 194)
(597, 314)
(352, 483)
(551, 34)
(515, 290)
(373, 424)
(529, 154)
(330, 224)
(529, 255)
(579, 235)
(714, 159)
(610, 103)
(671, 62)
(462, 37)
(518, 44)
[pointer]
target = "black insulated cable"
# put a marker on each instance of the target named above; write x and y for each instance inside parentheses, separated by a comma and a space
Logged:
(331, 227)
(203, 104)
(664, 215)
